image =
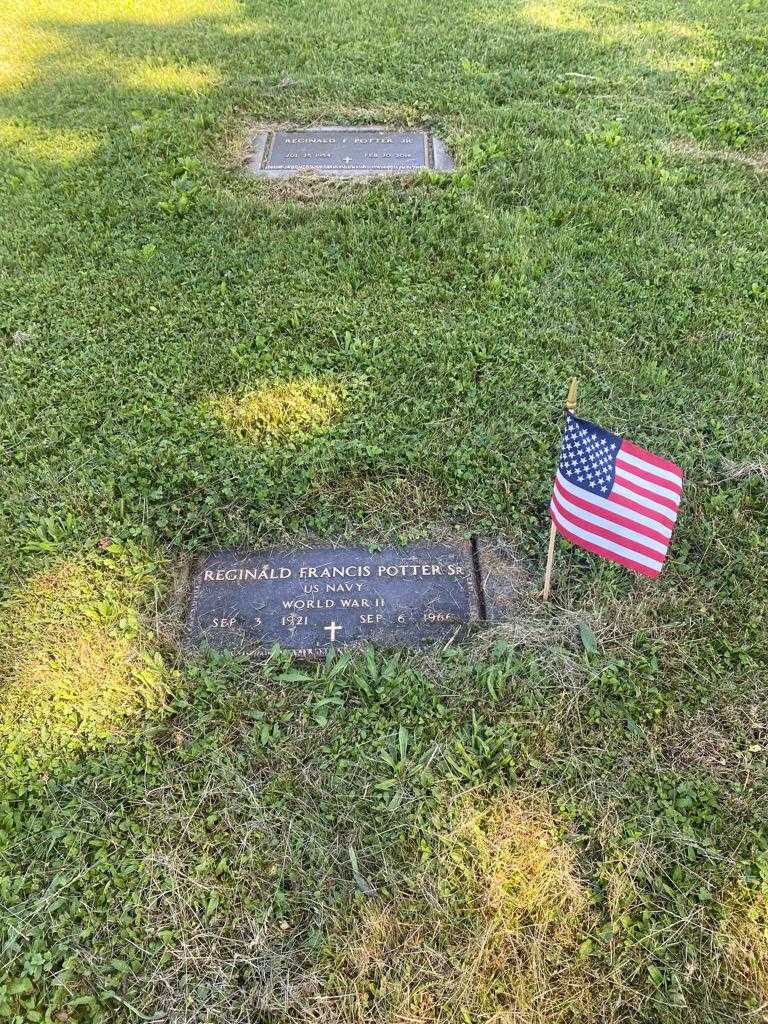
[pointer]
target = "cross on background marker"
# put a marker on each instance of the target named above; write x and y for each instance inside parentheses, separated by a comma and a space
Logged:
(333, 629)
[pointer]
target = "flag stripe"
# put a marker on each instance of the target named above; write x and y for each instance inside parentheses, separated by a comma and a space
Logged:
(648, 476)
(614, 552)
(617, 506)
(656, 460)
(608, 534)
(645, 502)
(675, 478)
(631, 478)
(665, 520)
(621, 525)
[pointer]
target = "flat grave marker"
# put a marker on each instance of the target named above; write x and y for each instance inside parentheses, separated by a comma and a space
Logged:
(345, 152)
(308, 599)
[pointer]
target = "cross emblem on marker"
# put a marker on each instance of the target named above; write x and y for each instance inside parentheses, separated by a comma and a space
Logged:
(347, 159)
(333, 629)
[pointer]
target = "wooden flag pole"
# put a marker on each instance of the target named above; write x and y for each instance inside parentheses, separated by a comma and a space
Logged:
(570, 405)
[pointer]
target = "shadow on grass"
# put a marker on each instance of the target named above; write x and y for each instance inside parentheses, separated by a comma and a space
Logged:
(148, 277)
(223, 858)
(374, 842)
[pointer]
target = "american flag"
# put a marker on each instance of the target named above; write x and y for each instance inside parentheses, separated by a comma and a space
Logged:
(614, 498)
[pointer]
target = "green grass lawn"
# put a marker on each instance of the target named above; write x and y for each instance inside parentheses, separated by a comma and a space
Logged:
(563, 821)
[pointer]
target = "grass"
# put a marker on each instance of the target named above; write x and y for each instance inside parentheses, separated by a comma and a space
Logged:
(563, 822)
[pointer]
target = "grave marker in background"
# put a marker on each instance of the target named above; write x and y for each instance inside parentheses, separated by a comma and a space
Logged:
(345, 152)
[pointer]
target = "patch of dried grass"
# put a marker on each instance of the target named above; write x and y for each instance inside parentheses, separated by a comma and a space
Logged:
(744, 470)
(227, 958)
(744, 937)
(519, 619)
(493, 933)
(551, 631)
(551, 639)
(486, 928)
(685, 148)
(726, 741)
(308, 189)
(392, 509)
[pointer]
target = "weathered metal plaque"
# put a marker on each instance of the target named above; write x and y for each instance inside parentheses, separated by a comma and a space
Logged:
(309, 599)
(345, 152)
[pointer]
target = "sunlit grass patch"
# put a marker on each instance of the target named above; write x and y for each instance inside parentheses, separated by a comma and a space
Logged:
(172, 77)
(689, 64)
(511, 853)
(495, 932)
(664, 44)
(744, 935)
(22, 46)
(75, 662)
(650, 31)
(556, 14)
(505, 869)
(683, 48)
(278, 412)
(52, 146)
(94, 11)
